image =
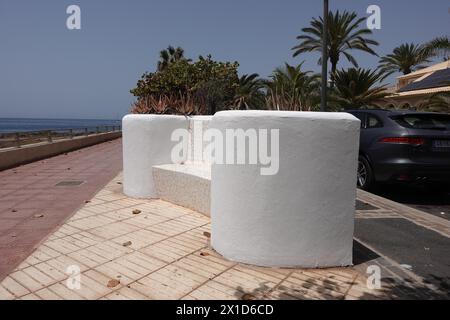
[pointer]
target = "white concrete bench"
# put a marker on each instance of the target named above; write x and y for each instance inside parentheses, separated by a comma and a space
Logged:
(149, 171)
(187, 185)
(301, 216)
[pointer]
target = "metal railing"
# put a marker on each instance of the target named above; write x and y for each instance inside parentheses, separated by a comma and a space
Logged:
(19, 139)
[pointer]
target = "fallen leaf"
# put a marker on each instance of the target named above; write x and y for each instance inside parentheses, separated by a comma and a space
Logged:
(406, 266)
(37, 216)
(136, 211)
(127, 244)
(248, 296)
(207, 234)
(113, 283)
(204, 254)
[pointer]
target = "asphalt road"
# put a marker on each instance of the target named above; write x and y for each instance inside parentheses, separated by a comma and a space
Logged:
(424, 251)
(427, 198)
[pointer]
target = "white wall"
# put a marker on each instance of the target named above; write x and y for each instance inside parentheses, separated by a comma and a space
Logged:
(303, 216)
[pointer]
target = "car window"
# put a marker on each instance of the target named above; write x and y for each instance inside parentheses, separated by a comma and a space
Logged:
(373, 121)
(360, 116)
(424, 121)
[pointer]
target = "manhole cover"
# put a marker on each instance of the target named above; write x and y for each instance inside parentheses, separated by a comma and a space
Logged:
(364, 206)
(69, 183)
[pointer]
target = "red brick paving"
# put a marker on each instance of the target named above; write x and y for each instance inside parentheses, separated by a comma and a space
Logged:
(29, 191)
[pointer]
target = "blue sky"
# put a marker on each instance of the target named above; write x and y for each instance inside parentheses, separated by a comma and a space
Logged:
(48, 71)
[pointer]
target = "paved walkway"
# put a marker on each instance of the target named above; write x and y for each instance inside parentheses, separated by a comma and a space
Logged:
(162, 252)
(150, 249)
(37, 198)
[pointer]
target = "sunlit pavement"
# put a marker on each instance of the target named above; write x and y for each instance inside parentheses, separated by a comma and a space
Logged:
(162, 251)
(150, 249)
(37, 198)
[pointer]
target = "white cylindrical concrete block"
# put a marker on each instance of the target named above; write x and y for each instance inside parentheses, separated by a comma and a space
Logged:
(301, 216)
(147, 142)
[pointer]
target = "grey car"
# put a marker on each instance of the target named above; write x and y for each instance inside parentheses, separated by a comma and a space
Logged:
(403, 146)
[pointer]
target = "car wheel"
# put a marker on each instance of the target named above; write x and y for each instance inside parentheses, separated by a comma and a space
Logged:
(365, 174)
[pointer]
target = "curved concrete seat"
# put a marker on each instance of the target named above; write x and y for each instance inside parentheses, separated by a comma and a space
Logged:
(296, 210)
(146, 143)
(187, 185)
(301, 216)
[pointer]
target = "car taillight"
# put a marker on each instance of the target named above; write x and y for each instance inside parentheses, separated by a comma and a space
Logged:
(404, 140)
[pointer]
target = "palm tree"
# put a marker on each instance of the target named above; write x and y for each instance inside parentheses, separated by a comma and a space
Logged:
(406, 58)
(439, 47)
(248, 94)
(344, 34)
(169, 56)
(357, 88)
(438, 102)
(290, 88)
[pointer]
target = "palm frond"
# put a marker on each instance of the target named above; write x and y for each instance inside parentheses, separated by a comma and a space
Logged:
(345, 33)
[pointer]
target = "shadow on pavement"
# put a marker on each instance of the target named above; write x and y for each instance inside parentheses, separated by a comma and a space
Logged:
(434, 199)
(436, 288)
(362, 254)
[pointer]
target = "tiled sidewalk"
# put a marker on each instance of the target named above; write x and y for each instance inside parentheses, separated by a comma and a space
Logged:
(32, 205)
(162, 252)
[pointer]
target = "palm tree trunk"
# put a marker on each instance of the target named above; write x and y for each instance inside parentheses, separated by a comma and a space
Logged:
(333, 72)
(323, 103)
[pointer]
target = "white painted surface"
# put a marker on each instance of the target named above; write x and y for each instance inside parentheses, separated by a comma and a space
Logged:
(197, 126)
(304, 215)
(147, 142)
(187, 185)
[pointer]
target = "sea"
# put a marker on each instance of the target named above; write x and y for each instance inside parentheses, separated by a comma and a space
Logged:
(10, 125)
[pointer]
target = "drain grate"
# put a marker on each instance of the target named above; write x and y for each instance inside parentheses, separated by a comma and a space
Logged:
(69, 183)
(364, 206)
